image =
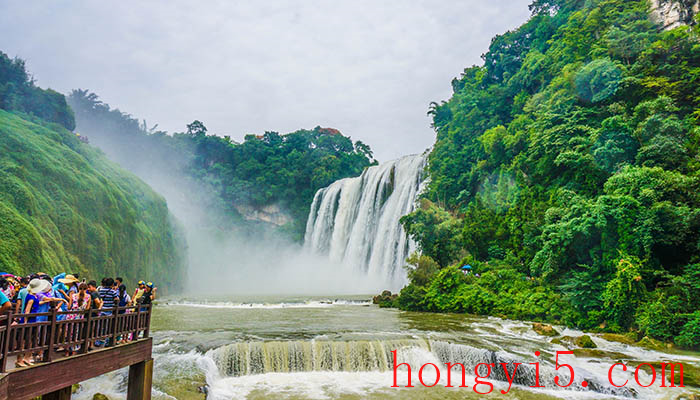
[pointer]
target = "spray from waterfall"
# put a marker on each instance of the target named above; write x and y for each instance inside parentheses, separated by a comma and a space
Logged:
(355, 221)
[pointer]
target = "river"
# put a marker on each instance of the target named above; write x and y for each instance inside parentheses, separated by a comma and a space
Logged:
(331, 348)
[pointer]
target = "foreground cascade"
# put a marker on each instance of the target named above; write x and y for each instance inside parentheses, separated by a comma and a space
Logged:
(356, 220)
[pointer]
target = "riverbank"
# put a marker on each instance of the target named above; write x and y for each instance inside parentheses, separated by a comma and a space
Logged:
(499, 290)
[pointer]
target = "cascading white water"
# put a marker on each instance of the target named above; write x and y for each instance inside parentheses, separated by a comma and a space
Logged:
(356, 220)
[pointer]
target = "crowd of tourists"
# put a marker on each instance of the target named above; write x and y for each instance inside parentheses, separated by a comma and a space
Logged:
(68, 294)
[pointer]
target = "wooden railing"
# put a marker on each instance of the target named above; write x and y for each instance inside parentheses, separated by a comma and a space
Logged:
(66, 329)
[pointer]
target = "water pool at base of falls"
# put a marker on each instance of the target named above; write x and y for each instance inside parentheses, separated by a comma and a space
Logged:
(329, 348)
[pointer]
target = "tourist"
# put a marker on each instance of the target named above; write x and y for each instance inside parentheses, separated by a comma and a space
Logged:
(21, 294)
(34, 295)
(61, 288)
(6, 288)
(149, 294)
(79, 301)
(94, 295)
(124, 298)
(138, 292)
(74, 288)
(109, 296)
(37, 301)
(5, 304)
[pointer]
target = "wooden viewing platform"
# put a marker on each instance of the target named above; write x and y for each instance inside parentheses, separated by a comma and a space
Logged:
(53, 377)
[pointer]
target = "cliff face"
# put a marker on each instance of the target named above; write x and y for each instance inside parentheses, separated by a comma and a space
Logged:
(271, 214)
(673, 13)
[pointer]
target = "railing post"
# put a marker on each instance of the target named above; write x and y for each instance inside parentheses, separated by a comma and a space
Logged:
(114, 326)
(6, 344)
(51, 332)
(148, 320)
(88, 331)
(138, 322)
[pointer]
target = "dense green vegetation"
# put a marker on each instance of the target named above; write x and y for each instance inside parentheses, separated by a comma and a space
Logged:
(18, 93)
(64, 206)
(284, 170)
(566, 172)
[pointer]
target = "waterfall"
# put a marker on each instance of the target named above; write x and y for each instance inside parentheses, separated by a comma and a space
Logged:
(253, 358)
(355, 221)
(248, 358)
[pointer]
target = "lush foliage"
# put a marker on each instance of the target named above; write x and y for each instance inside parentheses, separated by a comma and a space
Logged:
(65, 207)
(269, 169)
(19, 94)
(568, 164)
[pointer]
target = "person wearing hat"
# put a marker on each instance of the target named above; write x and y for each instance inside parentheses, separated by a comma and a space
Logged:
(37, 301)
(138, 292)
(149, 294)
(64, 285)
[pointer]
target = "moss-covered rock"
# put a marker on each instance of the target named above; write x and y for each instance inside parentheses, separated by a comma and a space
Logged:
(651, 344)
(565, 341)
(597, 353)
(691, 373)
(544, 329)
(627, 338)
(99, 396)
(585, 342)
(190, 388)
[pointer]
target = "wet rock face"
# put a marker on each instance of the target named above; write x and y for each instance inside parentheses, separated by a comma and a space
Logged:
(271, 214)
(673, 13)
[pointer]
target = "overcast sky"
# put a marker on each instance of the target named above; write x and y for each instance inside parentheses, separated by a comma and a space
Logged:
(367, 68)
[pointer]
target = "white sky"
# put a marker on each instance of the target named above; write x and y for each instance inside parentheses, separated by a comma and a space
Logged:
(367, 68)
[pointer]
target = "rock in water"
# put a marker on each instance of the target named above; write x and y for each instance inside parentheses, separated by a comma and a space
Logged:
(585, 342)
(544, 329)
(99, 396)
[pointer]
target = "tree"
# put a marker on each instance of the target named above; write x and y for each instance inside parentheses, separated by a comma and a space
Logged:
(624, 292)
(598, 80)
(196, 128)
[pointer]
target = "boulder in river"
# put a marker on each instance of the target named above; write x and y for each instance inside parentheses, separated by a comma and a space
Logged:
(691, 373)
(99, 396)
(597, 353)
(585, 342)
(544, 329)
(651, 344)
(627, 338)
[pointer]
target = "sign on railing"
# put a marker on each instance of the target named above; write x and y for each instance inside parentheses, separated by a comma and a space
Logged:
(44, 333)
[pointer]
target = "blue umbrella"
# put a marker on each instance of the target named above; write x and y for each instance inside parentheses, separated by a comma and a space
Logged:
(466, 267)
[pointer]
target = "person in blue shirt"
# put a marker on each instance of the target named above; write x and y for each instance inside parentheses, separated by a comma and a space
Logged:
(38, 301)
(62, 288)
(5, 304)
(22, 294)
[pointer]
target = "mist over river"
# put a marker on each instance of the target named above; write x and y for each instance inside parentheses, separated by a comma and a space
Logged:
(332, 347)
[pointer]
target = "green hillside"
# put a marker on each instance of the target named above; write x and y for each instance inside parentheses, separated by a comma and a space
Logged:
(566, 173)
(65, 207)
